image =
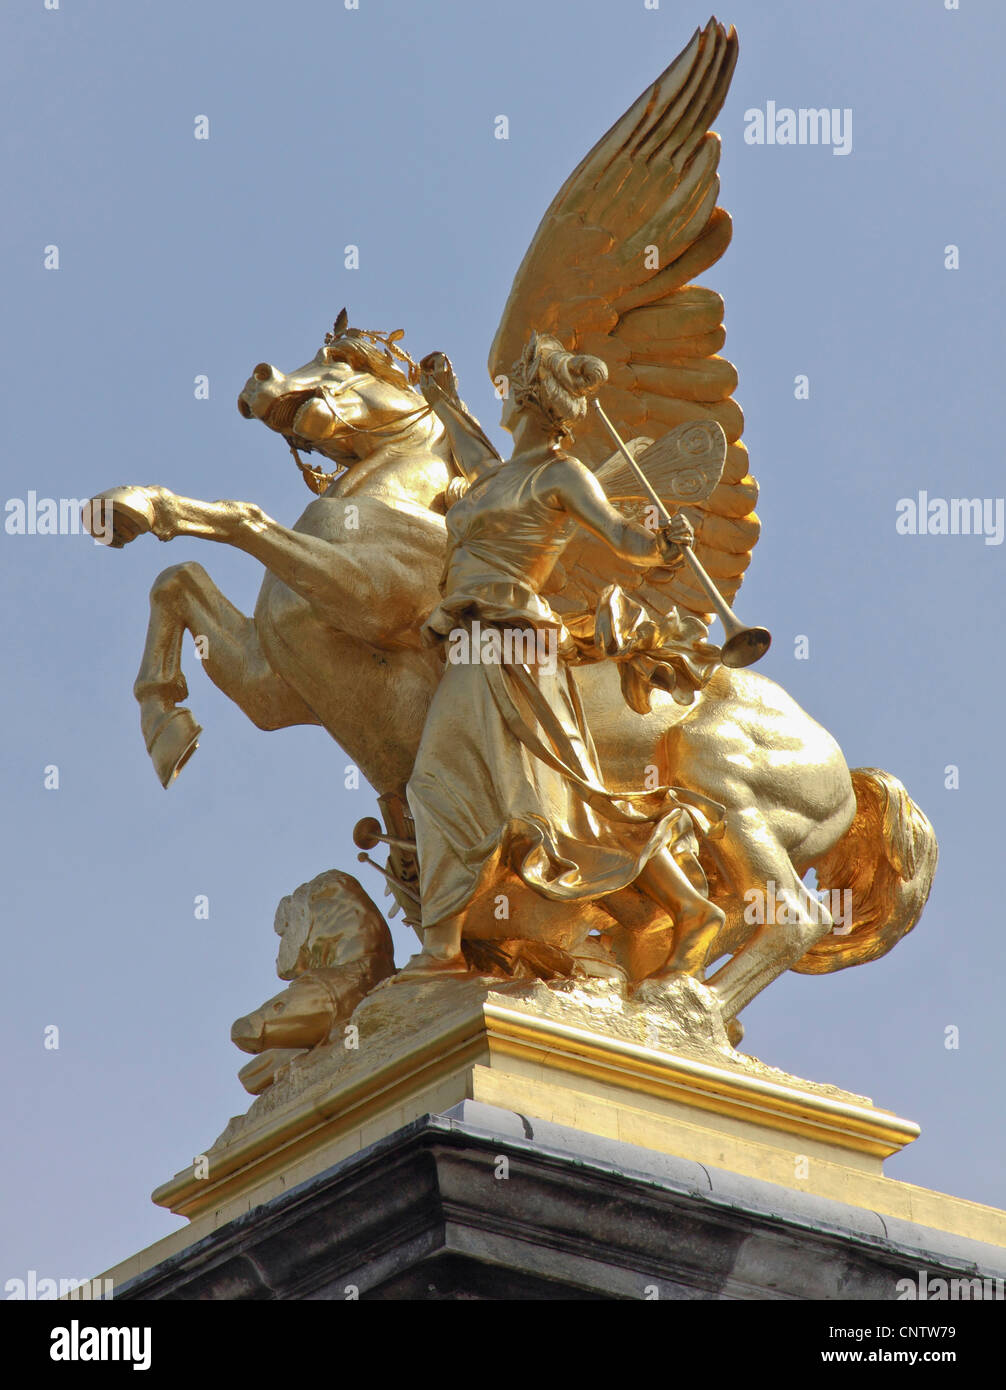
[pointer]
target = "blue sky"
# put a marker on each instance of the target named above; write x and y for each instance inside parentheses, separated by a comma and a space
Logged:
(180, 257)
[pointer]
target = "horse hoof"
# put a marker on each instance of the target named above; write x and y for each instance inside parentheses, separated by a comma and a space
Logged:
(132, 515)
(172, 744)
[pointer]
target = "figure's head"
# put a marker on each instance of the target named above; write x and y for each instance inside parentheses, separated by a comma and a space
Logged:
(552, 385)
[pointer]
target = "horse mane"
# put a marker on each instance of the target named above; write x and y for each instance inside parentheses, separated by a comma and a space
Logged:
(374, 353)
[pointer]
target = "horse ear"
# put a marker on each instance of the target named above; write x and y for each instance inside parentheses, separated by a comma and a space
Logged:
(341, 323)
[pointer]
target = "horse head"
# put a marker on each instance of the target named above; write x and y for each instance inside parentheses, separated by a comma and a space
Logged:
(354, 397)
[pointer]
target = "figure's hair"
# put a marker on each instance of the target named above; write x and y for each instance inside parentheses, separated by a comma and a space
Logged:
(555, 383)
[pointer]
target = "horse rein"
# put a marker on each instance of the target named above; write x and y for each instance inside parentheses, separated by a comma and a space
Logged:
(319, 481)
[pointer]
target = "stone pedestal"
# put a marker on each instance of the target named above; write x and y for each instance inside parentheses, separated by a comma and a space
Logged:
(513, 1140)
(484, 1203)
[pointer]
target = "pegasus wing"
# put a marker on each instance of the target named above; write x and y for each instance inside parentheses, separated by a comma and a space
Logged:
(610, 272)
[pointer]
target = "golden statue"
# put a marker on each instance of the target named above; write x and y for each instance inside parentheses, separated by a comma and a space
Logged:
(608, 793)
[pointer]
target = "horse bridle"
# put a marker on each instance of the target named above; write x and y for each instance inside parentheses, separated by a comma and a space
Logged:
(319, 481)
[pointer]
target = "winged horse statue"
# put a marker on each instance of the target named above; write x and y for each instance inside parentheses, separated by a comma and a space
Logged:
(334, 639)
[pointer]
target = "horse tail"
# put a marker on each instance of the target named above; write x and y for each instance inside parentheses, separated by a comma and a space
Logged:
(886, 860)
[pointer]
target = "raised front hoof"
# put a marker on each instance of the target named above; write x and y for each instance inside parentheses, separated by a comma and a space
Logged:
(174, 741)
(132, 515)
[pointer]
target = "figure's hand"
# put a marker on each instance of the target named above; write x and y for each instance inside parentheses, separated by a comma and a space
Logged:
(673, 539)
(436, 367)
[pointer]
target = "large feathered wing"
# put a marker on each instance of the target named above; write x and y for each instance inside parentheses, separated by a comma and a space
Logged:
(609, 272)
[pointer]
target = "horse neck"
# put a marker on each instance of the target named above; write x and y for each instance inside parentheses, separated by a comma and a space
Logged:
(412, 467)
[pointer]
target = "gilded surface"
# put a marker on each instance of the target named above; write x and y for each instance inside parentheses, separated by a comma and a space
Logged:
(576, 782)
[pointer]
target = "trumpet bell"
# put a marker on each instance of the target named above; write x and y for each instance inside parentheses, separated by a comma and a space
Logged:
(745, 646)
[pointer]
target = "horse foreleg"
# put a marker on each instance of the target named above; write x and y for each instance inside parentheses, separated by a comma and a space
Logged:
(372, 573)
(184, 598)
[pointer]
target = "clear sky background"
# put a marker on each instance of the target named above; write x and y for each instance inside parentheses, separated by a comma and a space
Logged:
(180, 257)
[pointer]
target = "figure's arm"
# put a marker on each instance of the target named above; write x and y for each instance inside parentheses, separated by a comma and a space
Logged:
(570, 485)
(473, 453)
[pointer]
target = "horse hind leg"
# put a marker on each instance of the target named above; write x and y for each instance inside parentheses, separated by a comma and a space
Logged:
(184, 598)
(785, 918)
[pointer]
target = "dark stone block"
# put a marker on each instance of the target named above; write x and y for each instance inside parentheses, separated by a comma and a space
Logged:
(424, 1215)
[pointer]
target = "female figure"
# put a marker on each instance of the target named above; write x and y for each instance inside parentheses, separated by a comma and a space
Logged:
(506, 775)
